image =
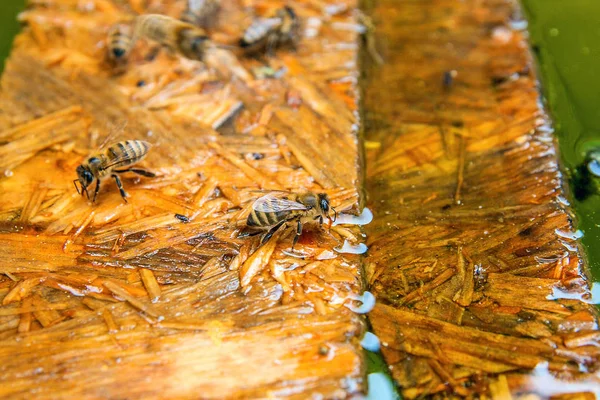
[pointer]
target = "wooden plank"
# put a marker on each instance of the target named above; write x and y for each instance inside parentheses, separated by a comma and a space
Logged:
(126, 300)
(470, 244)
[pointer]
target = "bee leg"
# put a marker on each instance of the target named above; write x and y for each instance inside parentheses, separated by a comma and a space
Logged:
(76, 187)
(153, 53)
(298, 234)
(120, 186)
(138, 171)
(95, 190)
(271, 44)
(270, 233)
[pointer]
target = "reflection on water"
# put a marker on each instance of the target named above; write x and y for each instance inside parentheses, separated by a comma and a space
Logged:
(564, 36)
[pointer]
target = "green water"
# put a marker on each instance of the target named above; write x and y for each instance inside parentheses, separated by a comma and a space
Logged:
(565, 36)
(8, 26)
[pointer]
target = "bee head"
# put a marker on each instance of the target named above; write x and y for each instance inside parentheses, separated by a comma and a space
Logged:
(193, 43)
(85, 178)
(325, 207)
(118, 53)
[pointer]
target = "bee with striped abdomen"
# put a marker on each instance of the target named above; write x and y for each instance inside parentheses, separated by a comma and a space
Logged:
(176, 35)
(269, 33)
(270, 212)
(120, 42)
(202, 13)
(111, 163)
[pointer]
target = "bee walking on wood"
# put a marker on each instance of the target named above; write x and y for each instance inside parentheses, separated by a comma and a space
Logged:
(269, 33)
(176, 35)
(120, 42)
(111, 162)
(271, 212)
(202, 13)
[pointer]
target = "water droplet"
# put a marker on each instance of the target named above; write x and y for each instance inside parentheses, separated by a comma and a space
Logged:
(554, 32)
(591, 297)
(569, 235)
(8, 173)
(370, 342)
(368, 302)
(519, 25)
(585, 51)
(594, 167)
(380, 387)
(363, 219)
(360, 248)
(562, 200)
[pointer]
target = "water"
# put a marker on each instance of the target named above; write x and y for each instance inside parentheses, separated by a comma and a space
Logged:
(348, 248)
(565, 36)
(572, 90)
(9, 24)
(367, 302)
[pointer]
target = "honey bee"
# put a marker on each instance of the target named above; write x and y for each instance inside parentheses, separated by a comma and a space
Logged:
(202, 13)
(99, 166)
(271, 212)
(269, 33)
(120, 42)
(172, 33)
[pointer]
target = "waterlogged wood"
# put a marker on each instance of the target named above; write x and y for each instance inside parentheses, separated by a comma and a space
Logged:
(159, 297)
(472, 245)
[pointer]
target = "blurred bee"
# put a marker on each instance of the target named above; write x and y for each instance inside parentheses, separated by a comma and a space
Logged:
(270, 212)
(269, 33)
(120, 42)
(202, 13)
(172, 33)
(99, 166)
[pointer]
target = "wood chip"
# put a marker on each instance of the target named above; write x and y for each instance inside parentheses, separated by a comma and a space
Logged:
(150, 283)
(123, 294)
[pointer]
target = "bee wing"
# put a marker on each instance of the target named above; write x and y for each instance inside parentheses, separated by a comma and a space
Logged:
(114, 130)
(270, 203)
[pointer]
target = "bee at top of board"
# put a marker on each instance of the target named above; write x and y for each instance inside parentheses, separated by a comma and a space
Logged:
(272, 211)
(116, 159)
(282, 28)
(202, 13)
(120, 42)
(175, 35)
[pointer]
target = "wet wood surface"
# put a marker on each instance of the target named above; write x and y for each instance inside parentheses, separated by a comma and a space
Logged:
(125, 300)
(472, 251)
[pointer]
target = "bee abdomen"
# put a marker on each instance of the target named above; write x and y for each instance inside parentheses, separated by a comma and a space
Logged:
(129, 151)
(120, 41)
(265, 219)
(258, 32)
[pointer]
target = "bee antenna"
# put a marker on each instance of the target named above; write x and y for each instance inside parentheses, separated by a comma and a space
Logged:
(334, 214)
(76, 187)
(84, 189)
